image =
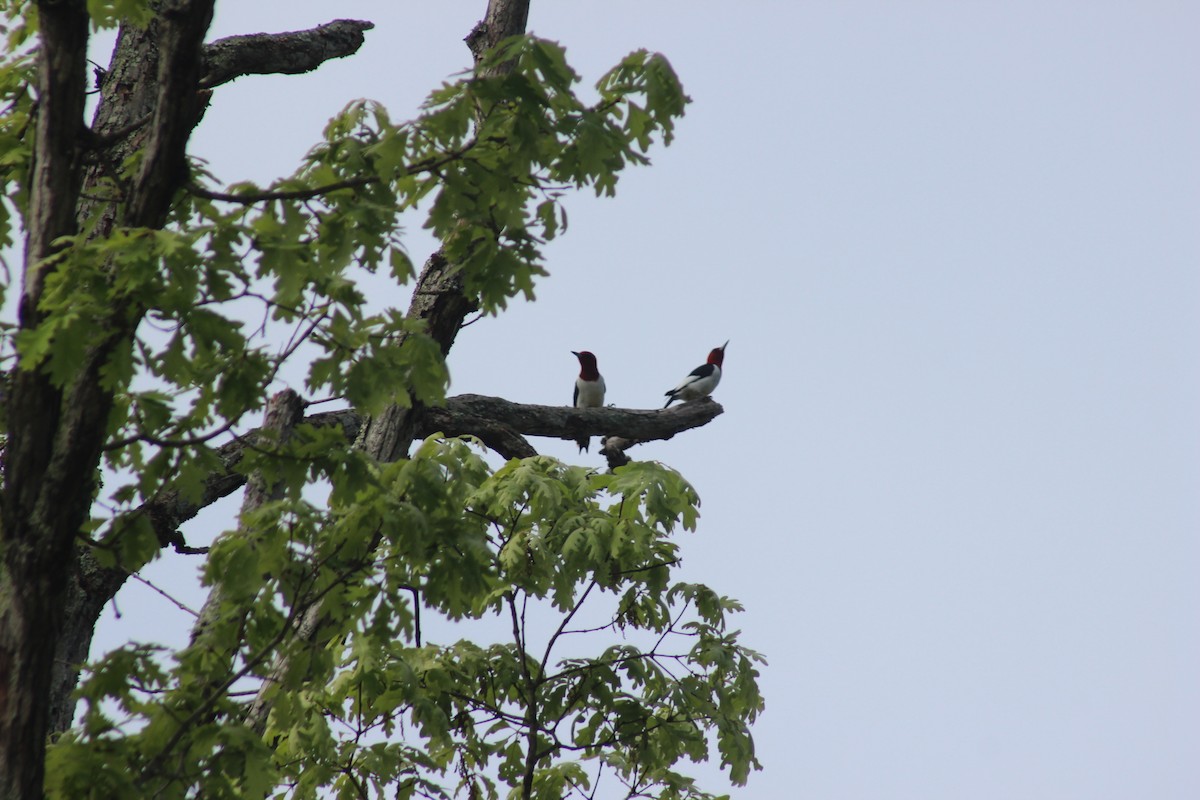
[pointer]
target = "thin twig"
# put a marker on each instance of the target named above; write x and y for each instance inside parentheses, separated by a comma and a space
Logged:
(177, 603)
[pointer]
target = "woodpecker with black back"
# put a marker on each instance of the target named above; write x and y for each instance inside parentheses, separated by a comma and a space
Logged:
(701, 381)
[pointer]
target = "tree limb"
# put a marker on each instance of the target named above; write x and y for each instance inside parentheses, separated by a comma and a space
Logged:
(93, 585)
(289, 53)
(501, 424)
(565, 422)
(294, 194)
(495, 434)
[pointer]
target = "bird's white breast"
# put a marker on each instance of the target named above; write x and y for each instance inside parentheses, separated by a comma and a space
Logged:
(591, 393)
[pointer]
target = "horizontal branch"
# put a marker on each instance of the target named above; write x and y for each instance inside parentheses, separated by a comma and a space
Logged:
(249, 198)
(495, 434)
(289, 53)
(564, 422)
(499, 423)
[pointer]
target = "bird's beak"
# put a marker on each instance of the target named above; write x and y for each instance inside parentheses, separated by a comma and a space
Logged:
(725, 345)
(575, 354)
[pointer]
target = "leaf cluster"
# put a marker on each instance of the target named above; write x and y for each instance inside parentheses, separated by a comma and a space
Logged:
(392, 705)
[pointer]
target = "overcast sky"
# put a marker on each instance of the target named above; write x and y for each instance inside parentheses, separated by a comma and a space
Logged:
(956, 249)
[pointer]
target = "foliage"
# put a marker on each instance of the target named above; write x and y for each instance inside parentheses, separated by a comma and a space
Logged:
(380, 707)
(389, 707)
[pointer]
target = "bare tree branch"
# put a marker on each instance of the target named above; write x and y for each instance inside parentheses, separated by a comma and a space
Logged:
(495, 434)
(295, 194)
(565, 422)
(289, 53)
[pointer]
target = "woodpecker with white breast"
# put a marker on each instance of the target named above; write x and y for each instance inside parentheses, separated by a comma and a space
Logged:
(701, 381)
(589, 388)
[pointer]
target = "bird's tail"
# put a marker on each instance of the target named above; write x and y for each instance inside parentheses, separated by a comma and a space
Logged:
(583, 443)
(671, 398)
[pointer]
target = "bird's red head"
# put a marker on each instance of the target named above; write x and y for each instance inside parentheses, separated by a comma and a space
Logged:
(587, 365)
(717, 356)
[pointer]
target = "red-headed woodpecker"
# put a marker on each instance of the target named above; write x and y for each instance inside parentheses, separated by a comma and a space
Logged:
(701, 381)
(589, 388)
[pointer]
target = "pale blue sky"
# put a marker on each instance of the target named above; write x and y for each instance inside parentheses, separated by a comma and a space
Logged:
(955, 247)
